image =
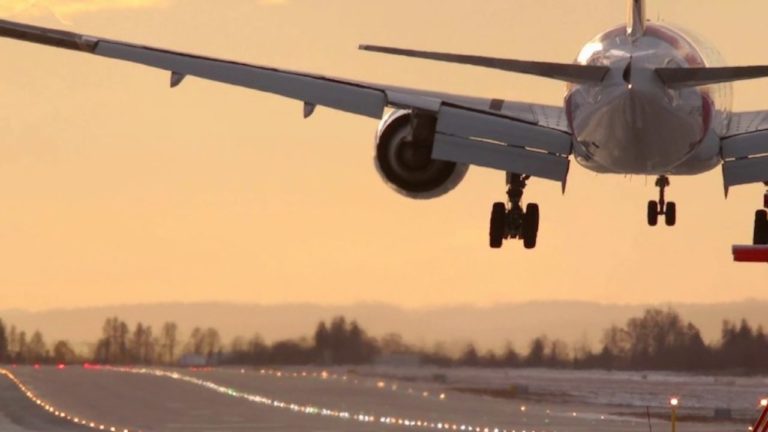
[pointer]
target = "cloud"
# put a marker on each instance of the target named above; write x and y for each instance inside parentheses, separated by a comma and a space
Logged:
(68, 8)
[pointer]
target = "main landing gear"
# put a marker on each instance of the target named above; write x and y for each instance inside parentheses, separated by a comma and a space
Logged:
(761, 223)
(510, 221)
(661, 207)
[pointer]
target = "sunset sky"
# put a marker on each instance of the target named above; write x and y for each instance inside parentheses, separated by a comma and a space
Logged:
(116, 189)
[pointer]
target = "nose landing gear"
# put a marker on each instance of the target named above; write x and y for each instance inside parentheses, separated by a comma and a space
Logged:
(662, 207)
(510, 221)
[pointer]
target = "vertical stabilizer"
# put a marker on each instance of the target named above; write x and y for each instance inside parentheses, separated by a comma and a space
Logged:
(635, 18)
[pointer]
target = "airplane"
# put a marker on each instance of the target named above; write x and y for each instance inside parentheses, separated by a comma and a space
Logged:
(642, 98)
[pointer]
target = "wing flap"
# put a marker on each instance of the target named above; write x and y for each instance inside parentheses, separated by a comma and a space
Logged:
(500, 157)
(465, 123)
(747, 145)
(486, 140)
(745, 171)
(745, 158)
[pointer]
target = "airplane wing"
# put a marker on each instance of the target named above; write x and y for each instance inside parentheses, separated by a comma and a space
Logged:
(702, 76)
(503, 122)
(747, 122)
(745, 149)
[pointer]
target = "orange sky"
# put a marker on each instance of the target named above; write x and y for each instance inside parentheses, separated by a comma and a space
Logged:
(115, 189)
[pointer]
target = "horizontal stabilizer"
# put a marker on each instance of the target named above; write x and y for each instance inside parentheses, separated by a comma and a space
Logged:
(574, 73)
(693, 77)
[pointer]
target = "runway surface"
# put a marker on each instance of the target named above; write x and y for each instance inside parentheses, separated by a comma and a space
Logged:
(77, 398)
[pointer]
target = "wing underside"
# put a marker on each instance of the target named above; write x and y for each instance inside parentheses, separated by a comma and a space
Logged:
(745, 149)
(494, 133)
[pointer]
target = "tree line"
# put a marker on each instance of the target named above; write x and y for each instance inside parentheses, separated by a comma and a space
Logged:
(656, 340)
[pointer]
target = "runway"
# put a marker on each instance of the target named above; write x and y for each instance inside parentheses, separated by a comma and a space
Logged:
(134, 399)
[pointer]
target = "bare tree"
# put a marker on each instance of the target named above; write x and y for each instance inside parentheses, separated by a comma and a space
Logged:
(392, 343)
(22, 352)
(3, 343)
(63, 353)
(196, 343)
(13, 343)
(37, 348)
(169, 341)
(212, 342)
(113, 345)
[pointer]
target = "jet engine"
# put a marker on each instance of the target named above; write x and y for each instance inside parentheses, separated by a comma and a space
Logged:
(404, 157)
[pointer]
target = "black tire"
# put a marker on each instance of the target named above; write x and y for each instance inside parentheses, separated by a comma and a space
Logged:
(531, 226)
(653, 213)
(498, 225)
(670, 214)
(761, 227)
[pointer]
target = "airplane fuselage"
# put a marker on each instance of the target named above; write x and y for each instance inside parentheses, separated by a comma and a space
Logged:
(632, 123)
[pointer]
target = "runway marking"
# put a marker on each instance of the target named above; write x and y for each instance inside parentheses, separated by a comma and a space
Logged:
(360, 417)
(59, 413)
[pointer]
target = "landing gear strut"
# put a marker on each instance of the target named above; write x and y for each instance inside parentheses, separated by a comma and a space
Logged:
(761, 223)
(662, 207)
(510, 221)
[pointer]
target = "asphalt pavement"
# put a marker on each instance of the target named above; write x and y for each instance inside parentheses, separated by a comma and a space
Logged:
(77, 398)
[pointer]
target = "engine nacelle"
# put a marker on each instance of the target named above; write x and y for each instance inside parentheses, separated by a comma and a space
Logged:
(404, 157)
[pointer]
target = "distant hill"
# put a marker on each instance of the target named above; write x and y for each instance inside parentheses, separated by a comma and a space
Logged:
(489, 327)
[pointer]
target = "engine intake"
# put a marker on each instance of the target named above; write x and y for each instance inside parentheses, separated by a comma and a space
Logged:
(404, 157)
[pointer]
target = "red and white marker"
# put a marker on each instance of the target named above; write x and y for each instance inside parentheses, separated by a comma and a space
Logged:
(761, 424)
(755, 254)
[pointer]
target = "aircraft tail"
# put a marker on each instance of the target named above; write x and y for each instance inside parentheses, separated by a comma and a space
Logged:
(635, 18)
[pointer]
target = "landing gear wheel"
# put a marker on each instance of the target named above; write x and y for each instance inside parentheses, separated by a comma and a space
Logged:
(653, 213)
(761, 228)
(531, 226)
(670, 214)
(498, 225)
(662, 207)
(510, 221)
